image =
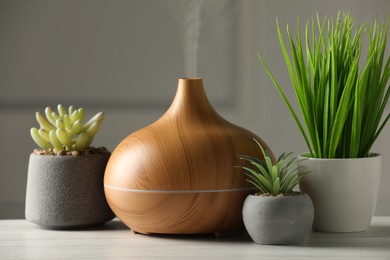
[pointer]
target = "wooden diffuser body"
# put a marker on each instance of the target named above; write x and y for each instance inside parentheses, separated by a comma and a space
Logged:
(178, 175)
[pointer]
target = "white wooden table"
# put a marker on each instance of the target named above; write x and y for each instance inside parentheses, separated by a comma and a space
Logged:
(22, 240)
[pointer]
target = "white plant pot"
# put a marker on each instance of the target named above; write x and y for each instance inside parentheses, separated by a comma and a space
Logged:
(344, 191)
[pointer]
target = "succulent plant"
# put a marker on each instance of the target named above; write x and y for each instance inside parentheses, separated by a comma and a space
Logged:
(272, 178)
(65, 130)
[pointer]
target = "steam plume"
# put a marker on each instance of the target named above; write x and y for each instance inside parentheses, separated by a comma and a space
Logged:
(190, 17)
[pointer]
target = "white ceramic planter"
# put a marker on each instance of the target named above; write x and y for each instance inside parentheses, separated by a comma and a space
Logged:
(283, 220)
(344, 191)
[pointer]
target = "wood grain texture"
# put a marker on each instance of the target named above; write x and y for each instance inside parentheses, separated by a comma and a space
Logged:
(191, 147)
(179, 213)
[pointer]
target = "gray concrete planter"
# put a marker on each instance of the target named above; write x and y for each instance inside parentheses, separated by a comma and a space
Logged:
(283, 220)
(66, 192)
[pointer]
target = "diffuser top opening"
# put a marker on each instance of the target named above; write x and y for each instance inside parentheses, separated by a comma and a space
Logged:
(192, 78)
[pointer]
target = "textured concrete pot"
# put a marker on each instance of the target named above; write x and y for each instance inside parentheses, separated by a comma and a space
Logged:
(283, 220)
(344, 191)
(65, 192)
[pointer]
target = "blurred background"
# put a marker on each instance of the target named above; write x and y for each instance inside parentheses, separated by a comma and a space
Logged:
(124, 57)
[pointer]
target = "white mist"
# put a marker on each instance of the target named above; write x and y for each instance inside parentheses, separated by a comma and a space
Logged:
(188, 12)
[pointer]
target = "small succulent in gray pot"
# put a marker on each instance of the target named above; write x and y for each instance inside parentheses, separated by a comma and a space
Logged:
(276, 215)
(65, 175)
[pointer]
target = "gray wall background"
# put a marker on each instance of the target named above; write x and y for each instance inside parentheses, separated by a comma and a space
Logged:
(124, 58)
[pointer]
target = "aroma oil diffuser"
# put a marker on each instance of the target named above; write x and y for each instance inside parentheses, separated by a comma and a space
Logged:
(178, 175)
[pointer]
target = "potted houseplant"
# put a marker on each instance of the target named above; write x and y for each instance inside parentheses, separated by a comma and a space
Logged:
(276, 214)
(342, 101)
(65, 176)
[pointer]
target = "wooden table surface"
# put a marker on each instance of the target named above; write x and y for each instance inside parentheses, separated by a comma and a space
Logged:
(20, 239)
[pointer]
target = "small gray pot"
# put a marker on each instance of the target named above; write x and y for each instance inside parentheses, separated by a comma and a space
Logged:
(66, 192)
(283, 220)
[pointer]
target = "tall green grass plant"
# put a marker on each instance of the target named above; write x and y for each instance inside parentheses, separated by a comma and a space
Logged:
(341, 99)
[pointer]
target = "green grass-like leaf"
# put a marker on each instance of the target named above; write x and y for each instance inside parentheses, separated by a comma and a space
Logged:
(340, 103)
